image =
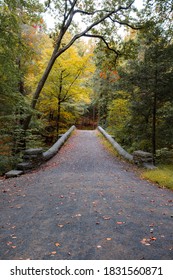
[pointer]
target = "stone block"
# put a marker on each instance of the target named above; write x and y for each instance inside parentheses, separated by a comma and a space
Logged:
(142, 154)
(37, 151)
(141, 157)
(13, 173)
(25, 166)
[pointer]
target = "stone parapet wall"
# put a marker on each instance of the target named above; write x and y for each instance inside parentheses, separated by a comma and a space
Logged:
(55, 148)
(140, 158)
(35, 157)
(119, 149)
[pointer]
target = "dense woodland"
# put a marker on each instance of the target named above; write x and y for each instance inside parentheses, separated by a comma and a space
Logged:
(106, 63)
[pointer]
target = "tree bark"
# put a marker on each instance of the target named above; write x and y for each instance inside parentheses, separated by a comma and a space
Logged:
(154, 127)
(58, 118)
(39, 89)
(154, 111)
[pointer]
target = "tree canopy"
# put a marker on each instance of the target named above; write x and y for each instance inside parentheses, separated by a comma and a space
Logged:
(105, 62)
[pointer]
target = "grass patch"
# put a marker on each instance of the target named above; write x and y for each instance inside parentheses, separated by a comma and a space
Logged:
(163, 176)
(107, 144)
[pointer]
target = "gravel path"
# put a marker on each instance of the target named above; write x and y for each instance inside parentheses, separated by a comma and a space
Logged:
(85, 204)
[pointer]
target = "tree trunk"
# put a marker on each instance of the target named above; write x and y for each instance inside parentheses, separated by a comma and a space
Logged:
(154, 127)
(58, 118)
(154, 112)
(38, 90)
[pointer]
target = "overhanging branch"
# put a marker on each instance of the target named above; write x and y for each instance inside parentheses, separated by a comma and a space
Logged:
(104, 10)
(95, 23)
(104, 40)
(126, 23)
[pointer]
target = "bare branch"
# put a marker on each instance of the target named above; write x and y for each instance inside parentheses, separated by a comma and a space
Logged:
(65, 12)
(72, 83)
(106, 43)
(90, 13)
(127, 7)
(103, 10)
(65, 25)
(71, 11)
(126, 23)
(83, 33)
(71, 3)
(77, 36)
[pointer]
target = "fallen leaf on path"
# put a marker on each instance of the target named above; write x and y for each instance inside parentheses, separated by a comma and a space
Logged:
(18, 206)
(106, 217)
(61, 226)
(57, 244)
(94, 204)
(145, 241)
(153, 238)
(120, 223)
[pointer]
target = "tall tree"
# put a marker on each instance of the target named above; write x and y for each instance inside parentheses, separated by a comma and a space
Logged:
(14, 15)
(64, 87)
(98, 17)
(148, 79)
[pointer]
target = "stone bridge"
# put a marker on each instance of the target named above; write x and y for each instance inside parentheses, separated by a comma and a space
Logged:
(34, 157)
(85, 204)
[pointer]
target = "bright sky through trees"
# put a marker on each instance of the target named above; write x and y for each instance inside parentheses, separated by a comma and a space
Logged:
(50, 22)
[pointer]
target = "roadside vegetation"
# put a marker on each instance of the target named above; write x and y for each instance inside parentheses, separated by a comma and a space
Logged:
(163, 176)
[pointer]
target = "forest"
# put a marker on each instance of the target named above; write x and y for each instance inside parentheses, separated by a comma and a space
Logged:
(107, 63)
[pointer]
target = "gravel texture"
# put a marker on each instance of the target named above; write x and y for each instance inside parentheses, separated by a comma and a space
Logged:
(85, 204)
